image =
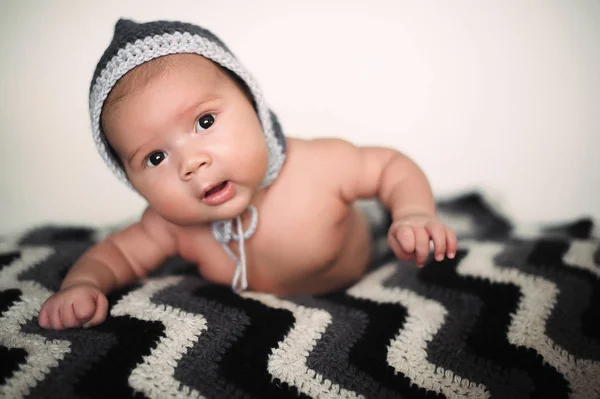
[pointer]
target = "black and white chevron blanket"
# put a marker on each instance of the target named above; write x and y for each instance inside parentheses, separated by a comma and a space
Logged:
(515, 315)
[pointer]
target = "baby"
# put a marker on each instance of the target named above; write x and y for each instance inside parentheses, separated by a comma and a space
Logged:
(178, 118)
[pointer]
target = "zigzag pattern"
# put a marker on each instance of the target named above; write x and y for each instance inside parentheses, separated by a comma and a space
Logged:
(154, 377)
(450, 348)
(527, 329)
(576, 293)
(288, 362)
(407, 352)
(510, 317)
(42, 355)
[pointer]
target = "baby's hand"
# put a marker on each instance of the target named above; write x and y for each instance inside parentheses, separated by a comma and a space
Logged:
(409, 238)
(80, 305)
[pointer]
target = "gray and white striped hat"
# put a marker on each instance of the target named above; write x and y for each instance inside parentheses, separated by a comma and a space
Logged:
(136, 43)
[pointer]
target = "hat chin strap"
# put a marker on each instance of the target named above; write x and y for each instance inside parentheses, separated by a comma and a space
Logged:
(222, 231)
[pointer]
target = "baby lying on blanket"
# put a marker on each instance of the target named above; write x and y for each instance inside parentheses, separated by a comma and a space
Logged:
(178, 118)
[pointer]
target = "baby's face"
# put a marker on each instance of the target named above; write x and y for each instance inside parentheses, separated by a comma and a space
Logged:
(190, 142)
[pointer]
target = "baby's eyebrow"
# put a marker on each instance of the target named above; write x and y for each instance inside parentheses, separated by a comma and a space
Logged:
(132, 155)
(206, 100)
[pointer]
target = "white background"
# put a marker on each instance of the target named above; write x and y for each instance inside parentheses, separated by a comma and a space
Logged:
(500, 96)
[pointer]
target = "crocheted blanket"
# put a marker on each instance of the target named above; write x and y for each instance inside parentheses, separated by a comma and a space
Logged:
(515, 315)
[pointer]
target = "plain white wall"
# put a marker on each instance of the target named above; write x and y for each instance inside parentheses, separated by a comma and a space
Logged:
(501, 96)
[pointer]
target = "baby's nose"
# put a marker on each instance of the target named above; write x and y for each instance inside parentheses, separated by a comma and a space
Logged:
(193, 164)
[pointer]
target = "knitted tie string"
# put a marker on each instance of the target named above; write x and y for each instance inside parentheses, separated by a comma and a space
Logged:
(223, 232)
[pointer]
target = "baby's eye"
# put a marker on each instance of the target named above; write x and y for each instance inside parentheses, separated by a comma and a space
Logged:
(205, 122)
(155, 158)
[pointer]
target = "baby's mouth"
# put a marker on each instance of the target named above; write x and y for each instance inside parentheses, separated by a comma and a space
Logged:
(215, 190)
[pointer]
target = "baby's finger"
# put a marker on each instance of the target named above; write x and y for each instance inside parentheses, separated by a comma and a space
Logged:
(438, 235)
(397, 249)
(55, 322)
(406, 238)
(84, 309)
(43, 318)
(67, 316)
(450, 242)
(422, 245)
(100, 312)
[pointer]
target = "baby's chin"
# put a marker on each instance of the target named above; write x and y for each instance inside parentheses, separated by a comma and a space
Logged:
(205, 214)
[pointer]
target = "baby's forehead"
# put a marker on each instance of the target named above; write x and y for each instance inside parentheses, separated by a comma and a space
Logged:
(140, 76)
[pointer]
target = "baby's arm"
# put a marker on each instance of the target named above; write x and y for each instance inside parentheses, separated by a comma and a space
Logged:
(404, 189)
(119, 260)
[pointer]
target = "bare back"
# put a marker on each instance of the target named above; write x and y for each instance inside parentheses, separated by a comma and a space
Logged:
(308, 239)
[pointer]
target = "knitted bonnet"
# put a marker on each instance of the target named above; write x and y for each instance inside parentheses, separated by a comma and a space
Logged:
(136, 43)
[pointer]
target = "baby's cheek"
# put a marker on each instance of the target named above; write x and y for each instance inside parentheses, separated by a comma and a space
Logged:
(253, 163)
(170, 199)
(171, 204)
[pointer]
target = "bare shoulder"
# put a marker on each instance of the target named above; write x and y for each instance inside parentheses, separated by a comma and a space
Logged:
(331, 160)
(323, 155)
(325, 146)
(353, 170)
